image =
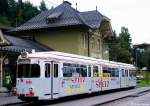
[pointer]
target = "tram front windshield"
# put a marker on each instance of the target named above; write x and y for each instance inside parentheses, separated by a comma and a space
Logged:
(28, 71)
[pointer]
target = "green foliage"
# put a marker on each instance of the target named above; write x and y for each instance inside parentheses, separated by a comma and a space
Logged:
(143, 57)
(29, 11)
(3, 7)
(43, 6)
(120, 47)
(12, 11)
(4, 21)
(143, 83)
(146, 78)
(25, 12)
(16, 13)
(148, 57)
(114, 47)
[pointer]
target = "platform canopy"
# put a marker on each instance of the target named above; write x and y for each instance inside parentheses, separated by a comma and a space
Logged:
(18, 45)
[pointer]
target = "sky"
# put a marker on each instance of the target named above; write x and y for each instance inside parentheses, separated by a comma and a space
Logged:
(133, 14)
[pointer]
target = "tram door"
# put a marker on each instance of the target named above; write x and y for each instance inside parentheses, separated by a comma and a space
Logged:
(51, 83)
(47, 82)
(127, 77)
(96, 79)
(55, 79)
(124, 78)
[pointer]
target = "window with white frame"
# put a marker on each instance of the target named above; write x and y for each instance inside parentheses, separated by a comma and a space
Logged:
(99, 44)
(84, 41)
(92, 43)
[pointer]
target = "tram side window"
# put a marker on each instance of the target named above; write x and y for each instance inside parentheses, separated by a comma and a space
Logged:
(126, 73)
(23, 70)
(113, 72)
(67, 72)
(47, 70)
(28, 70)
(35, 70)
(117, 72)
(83, 71)
(89, 71)
(55, 70)
(106, 72)
(74, 70)
(123, 72)
(132, 73)
(95, 71)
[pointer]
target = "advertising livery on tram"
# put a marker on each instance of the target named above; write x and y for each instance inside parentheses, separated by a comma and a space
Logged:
(51, 75)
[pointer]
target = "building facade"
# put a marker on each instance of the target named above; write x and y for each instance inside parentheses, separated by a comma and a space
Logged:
(65, 29)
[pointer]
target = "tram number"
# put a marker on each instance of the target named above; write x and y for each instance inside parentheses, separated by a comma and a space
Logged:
(102, 84)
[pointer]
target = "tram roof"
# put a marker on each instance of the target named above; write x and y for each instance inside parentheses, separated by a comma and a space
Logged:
(61, 55)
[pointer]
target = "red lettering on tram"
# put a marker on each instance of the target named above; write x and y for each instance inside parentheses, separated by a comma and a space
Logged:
(100, 84)
(28, 82)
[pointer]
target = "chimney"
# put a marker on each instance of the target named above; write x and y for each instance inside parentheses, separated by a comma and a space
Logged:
(96, 7)
(67, 2)
(76, 6)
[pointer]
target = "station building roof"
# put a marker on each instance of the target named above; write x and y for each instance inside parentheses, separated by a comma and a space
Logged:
(62, 16)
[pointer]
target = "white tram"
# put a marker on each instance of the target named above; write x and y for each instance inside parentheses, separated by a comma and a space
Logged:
(51, 75)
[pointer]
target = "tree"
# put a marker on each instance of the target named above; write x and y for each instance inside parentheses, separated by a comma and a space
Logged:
(25, 11)
(148, 57)
(142, 56)
(4, 13)
(4, 21)
(120, 47)
(43, 6)
(14, 13)
(113, 47)
(3, 7)
(29, 11)
(19, 13)
(125, 46)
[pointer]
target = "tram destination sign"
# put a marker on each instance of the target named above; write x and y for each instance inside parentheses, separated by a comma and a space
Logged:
(24, 61)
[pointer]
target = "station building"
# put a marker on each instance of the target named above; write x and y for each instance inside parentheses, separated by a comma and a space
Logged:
(68, 30)
(63, 29)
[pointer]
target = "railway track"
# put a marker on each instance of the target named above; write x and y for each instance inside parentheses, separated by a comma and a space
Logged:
(122, 100)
